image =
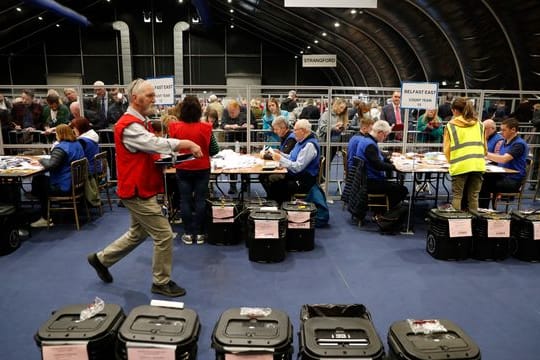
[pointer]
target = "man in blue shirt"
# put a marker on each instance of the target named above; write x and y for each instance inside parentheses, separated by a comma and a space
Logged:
(512, 155)
(494, 140)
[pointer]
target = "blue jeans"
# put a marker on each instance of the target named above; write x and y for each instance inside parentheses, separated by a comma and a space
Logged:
(193, 188)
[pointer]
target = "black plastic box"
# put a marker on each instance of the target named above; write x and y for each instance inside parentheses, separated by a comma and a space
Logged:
(100, 331)
(243, 334)
(330, 331)
(300, 230)
(156, 326)
(439, 244)
(267, 247)
(223, 223)
(522, 236)
(250, 205)
(487, 246)
(406, 344)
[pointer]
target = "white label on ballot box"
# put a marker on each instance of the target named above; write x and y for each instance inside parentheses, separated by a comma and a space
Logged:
(536, 225)
(498, 228)
(298, 219)
(64, 352)
(248, 357)
(459, 227)
(266, 229)
(223, 214)
(156, 353)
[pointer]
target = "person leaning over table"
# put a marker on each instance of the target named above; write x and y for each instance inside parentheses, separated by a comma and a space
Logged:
(494, 140)
(512, 155)
(302, 164)
(67, 150)
(376, 166)
(366, 124)
(193, 176)
(281, 128)
(464, 147)
(139, 181)
(88, 138)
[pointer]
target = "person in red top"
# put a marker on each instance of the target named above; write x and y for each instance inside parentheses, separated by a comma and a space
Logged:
(193, 176)
(139, 181)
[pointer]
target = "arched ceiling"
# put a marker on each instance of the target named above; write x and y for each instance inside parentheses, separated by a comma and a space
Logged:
(484, 44)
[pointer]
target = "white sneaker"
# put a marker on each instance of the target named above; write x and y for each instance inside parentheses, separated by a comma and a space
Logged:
(187, 239)
(201, 239)
(41, 223)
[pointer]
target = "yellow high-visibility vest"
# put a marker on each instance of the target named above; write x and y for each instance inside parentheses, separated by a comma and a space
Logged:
(466, 149)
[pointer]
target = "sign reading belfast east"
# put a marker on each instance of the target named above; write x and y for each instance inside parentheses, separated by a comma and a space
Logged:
(320, 60)
(164, 88)
(416, 95)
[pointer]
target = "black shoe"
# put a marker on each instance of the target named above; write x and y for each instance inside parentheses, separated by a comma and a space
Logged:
(232, 190)
(121, 204)
(169, 289)
(101, 270)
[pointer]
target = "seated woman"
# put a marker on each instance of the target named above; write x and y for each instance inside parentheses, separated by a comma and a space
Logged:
(63, 154)
(429, 127)
(88, 138)
(272, 111)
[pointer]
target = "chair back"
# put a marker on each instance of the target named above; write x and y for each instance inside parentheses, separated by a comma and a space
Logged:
(101, 165)
(322, 164)
(79, 174)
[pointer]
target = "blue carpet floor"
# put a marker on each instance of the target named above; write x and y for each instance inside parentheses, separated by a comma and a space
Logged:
(496, 303)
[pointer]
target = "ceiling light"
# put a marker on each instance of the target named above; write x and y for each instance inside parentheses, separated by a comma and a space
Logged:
(323, 34)
(232, 26)
(231, 11)
(40, 17)
(361, 12)
(19, 9)
(229, 1)
(147, 16)
(353, 11)
(195, 20)
(336, 24)
(316, 41)
(309, 46)
(301, 51)
(57, 25)
(295, 56)
(159, 19)
(180, 1)
(443, 83)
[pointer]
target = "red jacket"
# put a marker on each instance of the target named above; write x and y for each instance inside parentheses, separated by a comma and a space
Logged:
(137, 173)
(200, 133)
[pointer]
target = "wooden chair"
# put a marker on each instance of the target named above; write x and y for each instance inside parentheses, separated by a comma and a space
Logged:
(513, 198)
(79, 174)
(101, 169)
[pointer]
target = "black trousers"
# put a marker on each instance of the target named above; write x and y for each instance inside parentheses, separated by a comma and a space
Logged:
(495, 183)
(396, 192)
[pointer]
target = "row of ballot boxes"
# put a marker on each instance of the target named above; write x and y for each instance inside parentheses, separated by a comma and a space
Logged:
(327, 331)
(268, 231)
(483, 235)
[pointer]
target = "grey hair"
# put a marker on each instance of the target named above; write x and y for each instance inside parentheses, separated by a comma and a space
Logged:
(280, 120)
(134, 87)
(303, 124)
(380, 125)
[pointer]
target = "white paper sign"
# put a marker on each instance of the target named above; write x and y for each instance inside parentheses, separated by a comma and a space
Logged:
(459, 227)
(266, 229)
(64, 352)
(248, 357)
(151, 353)
(320, 60)
(164, 88)
(498, 228)
(536, 225)
(223, 214)
(419, 95)
(298, 220)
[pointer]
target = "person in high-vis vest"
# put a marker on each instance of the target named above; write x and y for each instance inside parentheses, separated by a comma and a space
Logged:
(139, 181)
(465, 147)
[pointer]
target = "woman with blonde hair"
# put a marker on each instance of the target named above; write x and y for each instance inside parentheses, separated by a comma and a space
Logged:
(58, 165)
(272, 111)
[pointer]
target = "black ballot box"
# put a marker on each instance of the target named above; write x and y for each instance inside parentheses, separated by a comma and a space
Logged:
(491, 235)
(63, 333)
(429, 340)
(300, 225)
(525, 235)
(156, 330)
(338, 331)
(253, 331)
(223, 222)
(449, 236)
(248, 206)
(267, 235)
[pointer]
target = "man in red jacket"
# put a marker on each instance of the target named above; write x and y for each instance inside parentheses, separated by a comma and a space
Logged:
(139, 181)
